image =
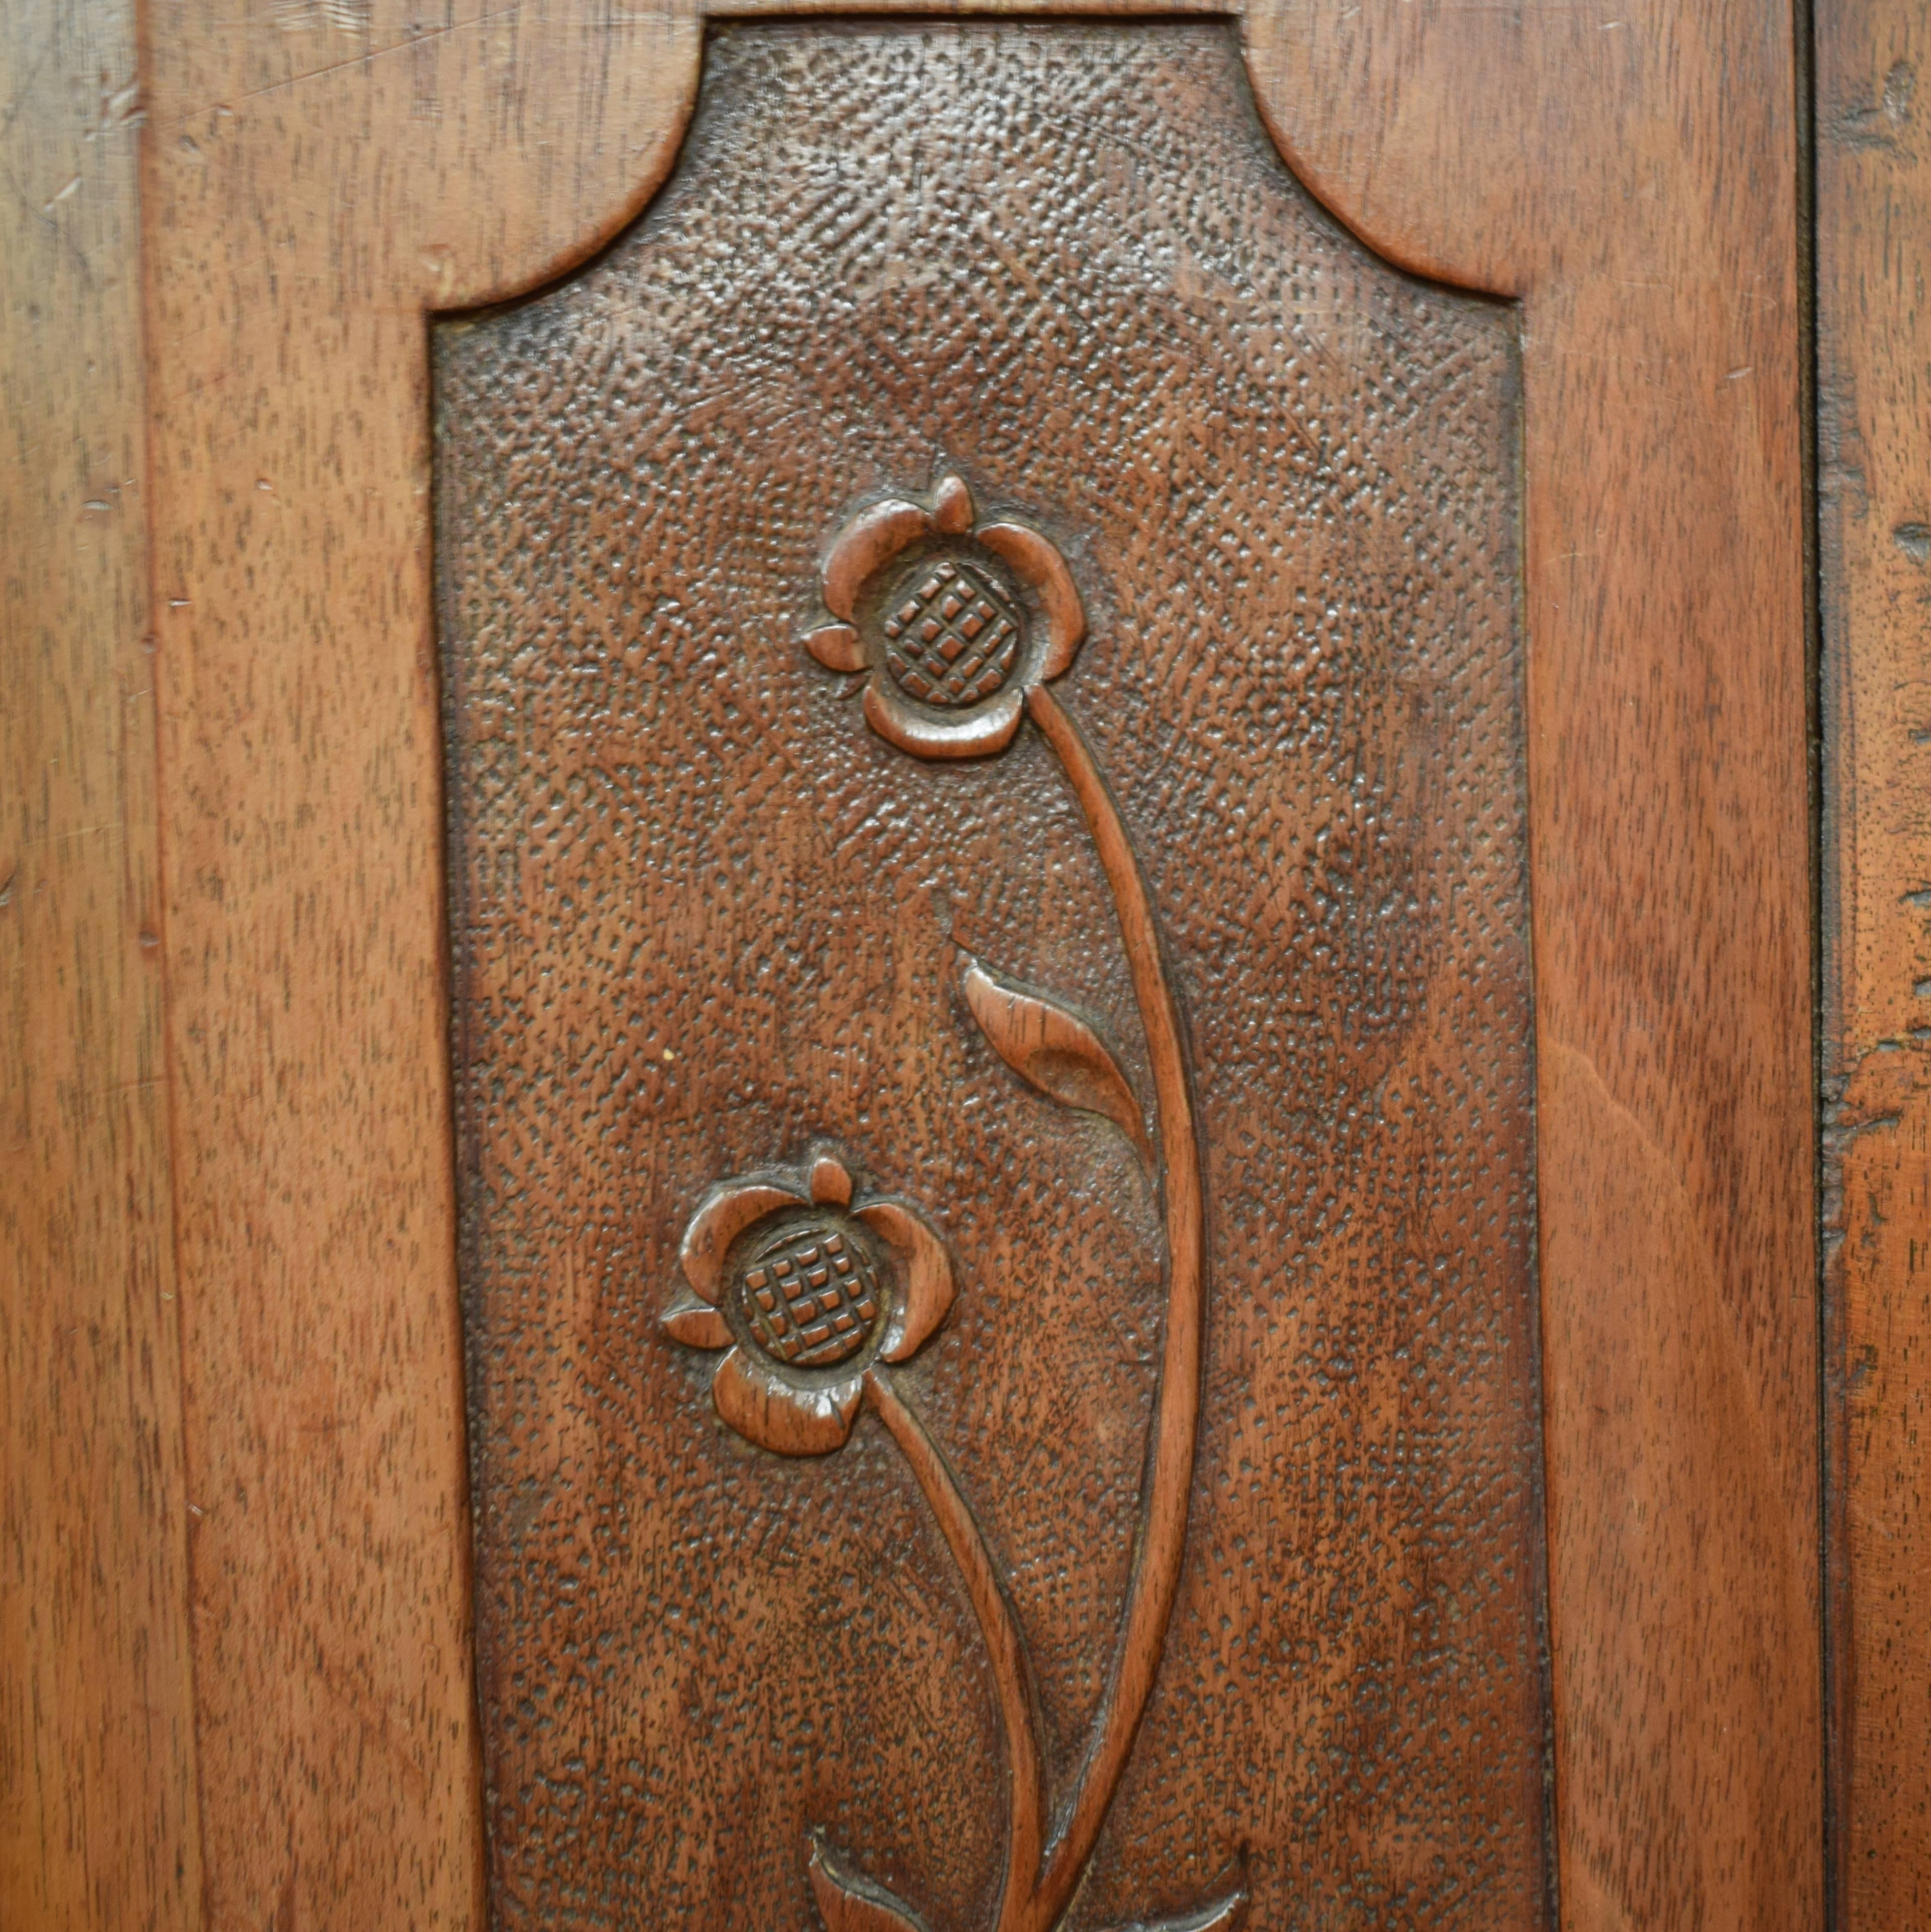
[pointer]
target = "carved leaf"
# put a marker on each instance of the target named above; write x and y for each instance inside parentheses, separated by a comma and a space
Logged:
(1055, 1050)
(1221, 1917)
(850, 1902)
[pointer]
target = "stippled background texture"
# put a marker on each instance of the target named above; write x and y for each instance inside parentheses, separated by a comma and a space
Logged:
(703, 918)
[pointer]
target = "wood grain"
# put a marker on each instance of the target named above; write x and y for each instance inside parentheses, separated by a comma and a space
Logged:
(1267, 824)
(1874, 343)
(314, 180)
(97, 1793)
(1631, 173)
(319, 177)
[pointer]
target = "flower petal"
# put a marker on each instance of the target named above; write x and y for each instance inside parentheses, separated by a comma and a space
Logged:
(776, 1415)
(978, 734)
(873, 537)
(1045, 570)
(951, 506)
(726, 1212)
(695, 1323)
(928, 1275)
(830, 1183)
(836, 646)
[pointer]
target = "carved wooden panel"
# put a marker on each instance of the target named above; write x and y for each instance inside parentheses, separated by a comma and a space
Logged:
(993, 1026)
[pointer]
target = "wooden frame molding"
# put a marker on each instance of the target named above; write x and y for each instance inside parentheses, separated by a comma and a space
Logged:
(315, 181)
(99, 1823)
(1668, 812)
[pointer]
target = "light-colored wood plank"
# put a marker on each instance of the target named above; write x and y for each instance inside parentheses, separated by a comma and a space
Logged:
(97, 1793)
(1874, 348)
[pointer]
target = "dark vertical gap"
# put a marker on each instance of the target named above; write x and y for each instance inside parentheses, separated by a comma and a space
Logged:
(1545, 1596)
(1829, 1539)
(453, 963)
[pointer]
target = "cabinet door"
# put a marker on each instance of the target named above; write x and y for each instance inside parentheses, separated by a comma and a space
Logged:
(985, 882)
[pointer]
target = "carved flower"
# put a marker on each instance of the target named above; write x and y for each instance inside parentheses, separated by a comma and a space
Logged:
(954, 620)
(805, 1291)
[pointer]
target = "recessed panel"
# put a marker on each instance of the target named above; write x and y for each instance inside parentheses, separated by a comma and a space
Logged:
(992, 1025)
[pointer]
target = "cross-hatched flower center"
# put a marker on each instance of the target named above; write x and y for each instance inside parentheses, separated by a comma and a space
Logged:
(952, 633)
(809, 1292)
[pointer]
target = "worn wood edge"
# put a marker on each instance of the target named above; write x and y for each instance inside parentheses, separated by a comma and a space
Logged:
(100, 1828)
(1873, 191)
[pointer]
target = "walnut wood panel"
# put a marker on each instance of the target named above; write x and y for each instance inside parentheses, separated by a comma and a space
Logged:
(715, 908)
(1874, 341)
(97, 1826)
(316, 179)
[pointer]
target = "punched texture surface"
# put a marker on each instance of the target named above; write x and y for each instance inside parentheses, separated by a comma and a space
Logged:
(702, 917)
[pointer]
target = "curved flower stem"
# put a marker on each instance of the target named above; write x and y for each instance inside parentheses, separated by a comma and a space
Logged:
(1026, 1830)
(1156, 1570)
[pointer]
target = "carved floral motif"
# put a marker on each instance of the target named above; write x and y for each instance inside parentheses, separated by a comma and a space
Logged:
(958, 626)
(955, 620)
(806, 1290)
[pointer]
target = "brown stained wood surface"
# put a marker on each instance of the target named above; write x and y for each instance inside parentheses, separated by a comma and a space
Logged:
(97, 1780)
(1631, 172)
(317, 177)
(97, 1825)
(300, 751)
(707, 917)
(1874, 343)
